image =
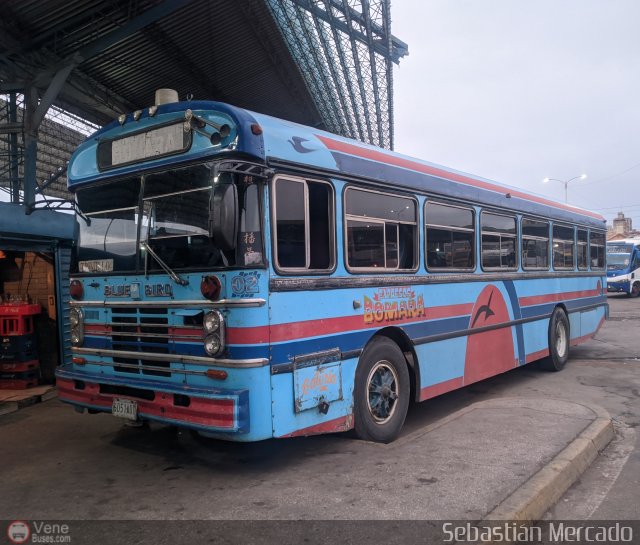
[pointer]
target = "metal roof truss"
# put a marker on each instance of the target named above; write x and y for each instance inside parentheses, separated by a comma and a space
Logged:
(356, 34)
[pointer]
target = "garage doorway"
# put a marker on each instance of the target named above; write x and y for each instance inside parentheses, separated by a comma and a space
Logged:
(28, 321)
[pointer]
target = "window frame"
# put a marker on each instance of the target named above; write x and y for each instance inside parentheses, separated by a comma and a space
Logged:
(383, 222)
(604, 250)
(573, 267)
(284, 271)
(473, 230)
(585, 230)
(532, 237)
(514, 217)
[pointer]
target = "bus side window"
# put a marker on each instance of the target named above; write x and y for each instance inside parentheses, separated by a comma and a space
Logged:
(597, 249)
(321, 226)
(498, 241)
(380, 230)
(535, 244)
(304, 225)
(583, 250)
(450, 239)
(563, 247)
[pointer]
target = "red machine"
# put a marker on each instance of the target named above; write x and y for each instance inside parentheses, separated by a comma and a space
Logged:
(19, 364)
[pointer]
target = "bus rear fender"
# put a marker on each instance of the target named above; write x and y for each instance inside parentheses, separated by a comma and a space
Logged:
(403, 341)
(563, 307)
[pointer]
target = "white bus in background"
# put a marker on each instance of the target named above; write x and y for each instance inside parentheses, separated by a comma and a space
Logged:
(623, 267)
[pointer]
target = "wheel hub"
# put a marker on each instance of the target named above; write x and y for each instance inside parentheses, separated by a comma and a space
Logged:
(382, 385)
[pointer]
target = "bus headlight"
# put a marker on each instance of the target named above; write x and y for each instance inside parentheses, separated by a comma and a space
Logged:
(212, 321)
(213, 344)
(76, 337)
(76, 319)
(214, 328)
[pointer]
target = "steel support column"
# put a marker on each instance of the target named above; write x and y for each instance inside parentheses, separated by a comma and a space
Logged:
(14, 152)
(33, 115)
(30, 146)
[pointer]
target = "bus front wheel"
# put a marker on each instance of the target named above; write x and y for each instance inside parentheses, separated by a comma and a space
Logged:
(559, 340)
(382, 389)
(635, 290)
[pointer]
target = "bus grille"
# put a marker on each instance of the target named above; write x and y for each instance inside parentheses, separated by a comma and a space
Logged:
(145, 322)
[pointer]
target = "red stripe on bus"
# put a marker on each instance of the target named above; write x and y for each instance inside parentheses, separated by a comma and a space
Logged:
(182, 333)
(178, 334)
(329, 326)
(375, 155)
(344, 423)
(600, 324)
(97, 329)
(537, 355)
(248, 335)
(554, 297)
(211, 412)
(441, 388)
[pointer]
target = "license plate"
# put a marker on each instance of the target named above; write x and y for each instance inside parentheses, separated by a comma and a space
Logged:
(125, 408)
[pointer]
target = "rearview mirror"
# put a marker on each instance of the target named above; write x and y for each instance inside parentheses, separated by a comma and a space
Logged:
(223, 216)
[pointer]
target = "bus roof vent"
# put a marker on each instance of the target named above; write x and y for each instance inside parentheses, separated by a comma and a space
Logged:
(166, 96)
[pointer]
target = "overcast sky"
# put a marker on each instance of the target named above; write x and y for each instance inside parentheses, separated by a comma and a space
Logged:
(516, 90)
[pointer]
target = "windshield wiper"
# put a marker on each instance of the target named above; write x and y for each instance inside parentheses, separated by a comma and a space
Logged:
(173, 275)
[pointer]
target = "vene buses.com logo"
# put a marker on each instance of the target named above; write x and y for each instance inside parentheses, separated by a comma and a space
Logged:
(18, 531)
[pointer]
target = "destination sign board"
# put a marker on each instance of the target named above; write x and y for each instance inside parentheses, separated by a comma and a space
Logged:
(143, 146)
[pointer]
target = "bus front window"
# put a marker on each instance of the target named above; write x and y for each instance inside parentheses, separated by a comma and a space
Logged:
(173, 222)
(177, 214)
(617, 262)
(107, 237)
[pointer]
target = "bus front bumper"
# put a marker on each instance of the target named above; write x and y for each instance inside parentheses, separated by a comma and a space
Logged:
(619, 286)
(208, 410)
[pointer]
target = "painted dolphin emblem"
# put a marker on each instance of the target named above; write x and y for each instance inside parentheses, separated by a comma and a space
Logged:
(296, 142)
(484, 309)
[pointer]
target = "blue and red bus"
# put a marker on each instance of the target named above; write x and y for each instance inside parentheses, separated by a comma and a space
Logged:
(249, 277)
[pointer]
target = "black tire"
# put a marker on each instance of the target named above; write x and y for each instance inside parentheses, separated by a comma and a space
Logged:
(559, 342)
(635, 290)
(381, 391)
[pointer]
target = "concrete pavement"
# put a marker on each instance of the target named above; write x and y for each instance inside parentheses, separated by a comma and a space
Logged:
(504, 458)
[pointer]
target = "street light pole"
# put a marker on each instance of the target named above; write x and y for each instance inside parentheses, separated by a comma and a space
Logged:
(566, 184)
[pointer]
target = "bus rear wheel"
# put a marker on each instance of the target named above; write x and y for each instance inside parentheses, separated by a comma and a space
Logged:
(559, 340)
(382, 390)
(635, 290)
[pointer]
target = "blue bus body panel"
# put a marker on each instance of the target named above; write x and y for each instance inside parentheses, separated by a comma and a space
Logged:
(459, 359)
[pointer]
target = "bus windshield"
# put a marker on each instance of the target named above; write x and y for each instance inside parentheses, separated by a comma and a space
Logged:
(169, 211)
(618, 256)
(618, 261)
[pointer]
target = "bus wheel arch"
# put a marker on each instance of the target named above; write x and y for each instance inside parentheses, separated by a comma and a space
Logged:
(398, 336)
(382, 389)
(559, 337)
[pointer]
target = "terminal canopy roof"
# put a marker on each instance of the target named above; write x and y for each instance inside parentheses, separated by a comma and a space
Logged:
(281, 57)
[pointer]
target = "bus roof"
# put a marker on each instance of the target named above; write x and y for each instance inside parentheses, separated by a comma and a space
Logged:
(286, 143)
